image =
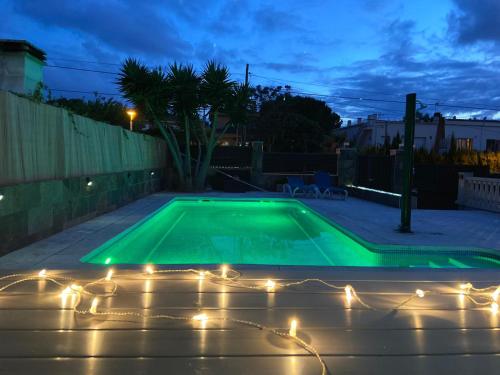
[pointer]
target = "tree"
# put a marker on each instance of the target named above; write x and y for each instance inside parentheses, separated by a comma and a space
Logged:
(286, 122)
(179, 97)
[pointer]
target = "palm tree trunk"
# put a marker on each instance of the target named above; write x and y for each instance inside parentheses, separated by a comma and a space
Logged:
(205, 164)
(187, 160)
(171, 143)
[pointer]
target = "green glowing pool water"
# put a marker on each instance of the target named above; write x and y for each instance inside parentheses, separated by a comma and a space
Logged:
(262, 232)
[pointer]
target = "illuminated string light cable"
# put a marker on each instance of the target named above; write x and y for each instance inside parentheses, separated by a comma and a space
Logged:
(479, 296)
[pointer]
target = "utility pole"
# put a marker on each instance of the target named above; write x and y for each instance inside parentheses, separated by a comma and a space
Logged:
(411, 108)
(246, 75)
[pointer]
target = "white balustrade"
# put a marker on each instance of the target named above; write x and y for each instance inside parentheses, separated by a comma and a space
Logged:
(478, 192)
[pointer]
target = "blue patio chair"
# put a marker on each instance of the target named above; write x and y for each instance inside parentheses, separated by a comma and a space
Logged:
(296, 186)
(323, 182)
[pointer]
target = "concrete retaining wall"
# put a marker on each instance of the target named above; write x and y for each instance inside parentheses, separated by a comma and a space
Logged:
(32, 211)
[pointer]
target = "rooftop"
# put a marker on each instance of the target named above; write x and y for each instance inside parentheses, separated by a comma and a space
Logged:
(17, 45)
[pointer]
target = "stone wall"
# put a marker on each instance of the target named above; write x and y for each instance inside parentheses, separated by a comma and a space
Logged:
(32, 211)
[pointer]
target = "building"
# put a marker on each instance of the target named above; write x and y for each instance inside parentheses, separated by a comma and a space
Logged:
(21, 66)
(479, 135)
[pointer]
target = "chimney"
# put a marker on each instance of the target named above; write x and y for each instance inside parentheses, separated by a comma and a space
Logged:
(21, 66)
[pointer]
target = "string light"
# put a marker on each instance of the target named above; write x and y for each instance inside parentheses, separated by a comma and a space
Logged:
(465, 286)
(93, 306)
(270, 285)
(76, 288)
(348, 293)
(494, 308)
(109, 275)
(476, 295)
(495, 294)
(201, 317)
(224, 269)
(293, 328)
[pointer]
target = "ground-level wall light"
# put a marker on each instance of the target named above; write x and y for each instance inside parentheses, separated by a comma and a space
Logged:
(107, 261)
(1, 197)
(152, 173)
(201, 275)
(42, 273)
(420, 293)
(293, 328)
(89, 182)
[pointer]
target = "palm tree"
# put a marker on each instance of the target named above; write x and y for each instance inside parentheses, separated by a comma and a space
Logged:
(216, 88)
(185, 86)
(150, 92)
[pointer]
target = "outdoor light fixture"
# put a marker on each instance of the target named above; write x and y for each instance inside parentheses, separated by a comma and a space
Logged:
(293, 328)
(131, 113)
(93, 307)
(109, 275)
(76, 288)
(466, 286)
(201, 275)
(420, 293)
(89, 182)
(1, 197)
(152, 173)
(107, 261)
(42, 273)
(149, 269)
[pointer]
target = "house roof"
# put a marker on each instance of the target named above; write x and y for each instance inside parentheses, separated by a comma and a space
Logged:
(15, 45)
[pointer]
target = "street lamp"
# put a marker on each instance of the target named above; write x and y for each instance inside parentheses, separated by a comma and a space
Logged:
(131, 113)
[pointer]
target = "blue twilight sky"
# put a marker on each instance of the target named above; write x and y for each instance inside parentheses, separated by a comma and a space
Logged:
(447, 51)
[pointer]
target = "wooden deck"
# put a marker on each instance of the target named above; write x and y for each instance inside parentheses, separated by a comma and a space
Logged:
(432, 335)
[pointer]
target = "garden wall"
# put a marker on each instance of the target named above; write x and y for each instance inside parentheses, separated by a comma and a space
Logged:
(58, 169)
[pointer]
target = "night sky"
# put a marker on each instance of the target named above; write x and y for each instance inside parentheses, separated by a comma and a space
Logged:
(447, 51)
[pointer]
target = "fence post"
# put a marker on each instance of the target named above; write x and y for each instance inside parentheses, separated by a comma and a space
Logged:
(411, 104)
(257, 156)
(346, 166)
(397, 170)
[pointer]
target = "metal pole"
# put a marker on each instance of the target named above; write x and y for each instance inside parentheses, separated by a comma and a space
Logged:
(246, 74)
(411, 104)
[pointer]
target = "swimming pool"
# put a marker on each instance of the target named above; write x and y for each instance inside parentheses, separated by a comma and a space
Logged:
(189, 231)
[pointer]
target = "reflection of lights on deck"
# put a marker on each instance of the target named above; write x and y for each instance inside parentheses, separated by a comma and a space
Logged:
(494, 308)
(348, 295)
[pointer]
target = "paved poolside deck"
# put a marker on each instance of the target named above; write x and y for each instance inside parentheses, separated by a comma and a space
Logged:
(372, 222)
(432, 335)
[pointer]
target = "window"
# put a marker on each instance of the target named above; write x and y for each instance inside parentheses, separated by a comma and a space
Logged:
(464, 144)
(493, 145)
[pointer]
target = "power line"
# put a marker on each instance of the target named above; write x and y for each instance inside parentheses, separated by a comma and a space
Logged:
(86, 92)
(81, 69)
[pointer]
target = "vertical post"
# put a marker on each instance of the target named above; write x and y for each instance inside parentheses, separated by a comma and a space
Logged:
(411, 104)
(246, 75)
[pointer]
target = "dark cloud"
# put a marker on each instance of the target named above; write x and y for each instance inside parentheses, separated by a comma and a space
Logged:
(272, 20)
(475, 21)
(126, 26)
